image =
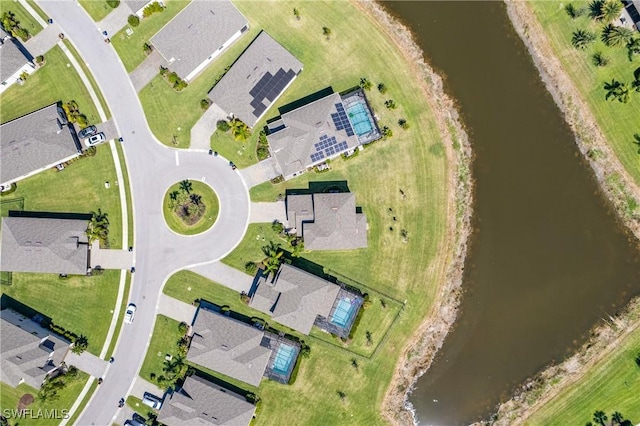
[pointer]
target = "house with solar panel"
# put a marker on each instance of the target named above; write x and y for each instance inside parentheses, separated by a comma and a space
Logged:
(325, 128)
(232, 347)
(198, 35)
(255, 80)
(300, 300)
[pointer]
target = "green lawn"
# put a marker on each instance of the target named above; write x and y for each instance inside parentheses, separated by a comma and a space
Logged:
(610, 385)
(250, 248)
(404, 178)
(618, 121)
(129, 48)
(209, 201)
(26, 20)
(243, 154)
(164, 341)
(80, 304)
(9, 401)
(52, 83)
(97, 9)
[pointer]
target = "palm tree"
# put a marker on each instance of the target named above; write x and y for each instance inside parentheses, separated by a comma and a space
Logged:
(572, 11)
(240, 131)
(274, 257)
(365, 83)
(636, 140)
(196, 199)
(599, 60)
(581, 39)
(611, 10)
(326, 31)
(595, 10)
(599, 416)
(186, 186)
(617, 417)
(635, 84)
(296, 13)
(98, 227)
(614, 36)
(174, 195)
(633, 47)
(617, 90)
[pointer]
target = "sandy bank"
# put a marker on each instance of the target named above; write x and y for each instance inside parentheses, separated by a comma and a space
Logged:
(417, 356)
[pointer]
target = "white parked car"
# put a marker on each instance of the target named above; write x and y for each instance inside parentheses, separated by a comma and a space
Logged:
(5, 188)
(95, 139)
(128, 315)
(152, 401)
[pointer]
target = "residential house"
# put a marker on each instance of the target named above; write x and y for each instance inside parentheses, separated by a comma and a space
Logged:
(199, 402)
(199, 34)
(29, 353)
(137, 6)
(35, 142)
(630, 16)
(30, 244)
(299, 300)
(239, 350)
(256, 80)
(14, 61)
(327, 221)
(323, 129)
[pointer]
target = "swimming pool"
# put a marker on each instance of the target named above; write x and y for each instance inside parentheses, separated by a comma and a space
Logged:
(284, 357)
(344, 312)
(359, 118)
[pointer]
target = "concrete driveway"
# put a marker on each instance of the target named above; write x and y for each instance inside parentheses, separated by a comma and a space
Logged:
(153, 167)
(264, 171)
(176, 309)
(268, 212)
(89, 363)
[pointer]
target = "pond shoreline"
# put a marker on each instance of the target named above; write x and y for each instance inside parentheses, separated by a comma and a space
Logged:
(421, 348)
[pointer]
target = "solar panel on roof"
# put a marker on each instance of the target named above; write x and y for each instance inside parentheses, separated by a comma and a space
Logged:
(259, 110)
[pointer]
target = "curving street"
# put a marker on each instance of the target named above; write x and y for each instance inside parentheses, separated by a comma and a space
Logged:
(152, 168)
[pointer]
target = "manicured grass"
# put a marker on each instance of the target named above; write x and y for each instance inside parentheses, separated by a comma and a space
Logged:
(164, 341)
(257, 236)
(97, 9)
(123, 307)
(125, 175)
(9, 398)
(610, 385)
(79, 304)
(26, 20)
(129, 48)
(618, 121)
(52, 83)
(209, 202)
(136, 405)
(243, 154)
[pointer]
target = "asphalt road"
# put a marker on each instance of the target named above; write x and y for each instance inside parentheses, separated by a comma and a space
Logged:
(152, 168)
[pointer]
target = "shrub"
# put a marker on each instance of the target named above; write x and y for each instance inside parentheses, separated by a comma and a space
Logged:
(173, 78)
(386, 132)
(183, 327)
(403, 123)
(250, 268)
(113, 3)
(151, 9)
(277, 227)
(24, 76)
(146, 48)
(382, 88)
(40, 59)
(205, 103)
(133, 20)
(223, 126)
(180, 85)
(22, 33)
(163, 71)
(390, 104)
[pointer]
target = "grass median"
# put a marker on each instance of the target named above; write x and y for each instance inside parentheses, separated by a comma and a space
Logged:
(193, 212)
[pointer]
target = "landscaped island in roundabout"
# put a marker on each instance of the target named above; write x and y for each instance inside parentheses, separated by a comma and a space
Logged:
(412, 186)
(190, 207)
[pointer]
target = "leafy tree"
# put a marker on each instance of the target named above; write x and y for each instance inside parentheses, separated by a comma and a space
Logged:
(600, 417)
(580, 39)
(365, 83)
(595, 10)
(326, 31)
(80, 345)
(205, 103)
(296, 13)
(186, 186)
(382, 88)
(133, 20)
(611, 10)
(599, 60)
(617, 90)
(223, 126)
(614, 36)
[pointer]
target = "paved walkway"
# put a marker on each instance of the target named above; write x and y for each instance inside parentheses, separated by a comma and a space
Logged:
(44, 41)
(176, 309)
(201, 132)
(88, 363)
(268, 212)
(147, 70)
(141, 386)
(110, 259)
(264, 171)
(225, 275)
(115, 20)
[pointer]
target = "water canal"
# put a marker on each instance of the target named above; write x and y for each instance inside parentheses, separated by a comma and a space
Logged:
(548, 259)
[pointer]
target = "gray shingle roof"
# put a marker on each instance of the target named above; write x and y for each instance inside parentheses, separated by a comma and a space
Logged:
(298, 298)
(28, 351)
(293, 145)
(136, 5)
(202, 403)
(44, 245)
(256, 79)
(34, 141)
(332, 223)
(228, 346)
(11, 57)
(196, 33)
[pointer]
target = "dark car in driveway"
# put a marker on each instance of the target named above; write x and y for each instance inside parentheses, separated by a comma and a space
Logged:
(87, 131)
